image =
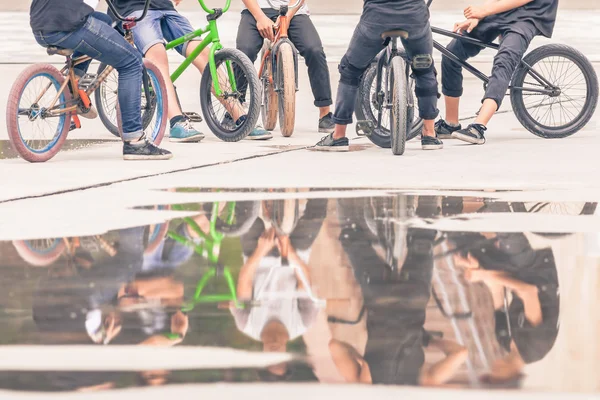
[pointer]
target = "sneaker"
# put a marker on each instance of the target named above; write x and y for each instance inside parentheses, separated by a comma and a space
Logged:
(183, 131)
(328, 143)
(259, 133)
(431, 143)
(228, 122)
(444, 131)
(473, 133)
(326, 124)
(144, 150)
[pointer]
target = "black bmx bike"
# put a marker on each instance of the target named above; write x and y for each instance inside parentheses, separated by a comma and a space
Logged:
(553, 92)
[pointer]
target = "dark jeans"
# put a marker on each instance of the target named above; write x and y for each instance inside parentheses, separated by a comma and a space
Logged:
(303, 34)
(97, 39)
(365, 44)
(512, 48)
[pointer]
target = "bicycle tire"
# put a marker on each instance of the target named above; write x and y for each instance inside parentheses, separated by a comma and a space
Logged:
(364, 111)
(246, 215)
(269, 106)
(245, 66)
(160, 105)
(287, 95)
(398, 116)
(111, 123)
(528, 121)
(37, 259)
(12, 113)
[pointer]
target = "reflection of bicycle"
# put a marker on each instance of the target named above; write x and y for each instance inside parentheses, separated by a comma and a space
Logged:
(279, 74)
(219, 92)
(41, 107)
(554, 91)
(223, 223)
(45, 252)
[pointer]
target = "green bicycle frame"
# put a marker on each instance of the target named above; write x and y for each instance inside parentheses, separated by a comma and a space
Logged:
(209, 249)
(212, 38)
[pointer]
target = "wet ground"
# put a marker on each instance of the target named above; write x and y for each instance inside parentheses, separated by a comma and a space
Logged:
(301, 286)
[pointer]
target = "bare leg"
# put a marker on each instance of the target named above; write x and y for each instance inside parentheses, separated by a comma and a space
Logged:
(429, 127)
(323, 111)
(340, 131)
(452, 109)
(487, 111)
(158, 55)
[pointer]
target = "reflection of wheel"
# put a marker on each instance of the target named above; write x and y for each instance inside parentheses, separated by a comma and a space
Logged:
(565, 112)
(244, 215)
(40, 253)
(269, 106)
(555, 208)
(366, 109)
(35, 134)
(287, 95)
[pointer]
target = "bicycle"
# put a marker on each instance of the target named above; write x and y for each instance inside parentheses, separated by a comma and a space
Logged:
(44, 106)
(527, 82)
(222, 85)
(279, 74)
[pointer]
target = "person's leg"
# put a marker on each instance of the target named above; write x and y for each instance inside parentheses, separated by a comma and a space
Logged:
(419, 49)
(103, 43)
(512, 48)
(365, 44)
(149, 39)
(305, 37)
(452, 85)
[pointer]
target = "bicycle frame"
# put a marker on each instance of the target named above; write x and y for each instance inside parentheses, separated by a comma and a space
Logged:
(212, 38)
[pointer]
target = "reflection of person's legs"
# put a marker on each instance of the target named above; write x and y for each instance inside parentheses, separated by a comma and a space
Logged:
(305, 37)
(421, 46)
(309, 225)
(249, 240)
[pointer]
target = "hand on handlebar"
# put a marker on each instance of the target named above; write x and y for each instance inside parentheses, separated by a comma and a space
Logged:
(266, 28)
(466, 26)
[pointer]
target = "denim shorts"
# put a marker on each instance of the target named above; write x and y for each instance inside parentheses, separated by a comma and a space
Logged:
(160, 27)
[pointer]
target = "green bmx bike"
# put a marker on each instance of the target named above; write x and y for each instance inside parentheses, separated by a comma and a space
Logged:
(229, 88)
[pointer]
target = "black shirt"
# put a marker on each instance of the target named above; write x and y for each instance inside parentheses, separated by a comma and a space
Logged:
(58, 15)
(540, 13)
(126, 7)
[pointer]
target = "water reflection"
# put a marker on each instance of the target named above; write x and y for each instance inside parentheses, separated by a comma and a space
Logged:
(353, 285)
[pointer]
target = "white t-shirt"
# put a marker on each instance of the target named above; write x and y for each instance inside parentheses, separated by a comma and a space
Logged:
(278, 3)
(92, 3)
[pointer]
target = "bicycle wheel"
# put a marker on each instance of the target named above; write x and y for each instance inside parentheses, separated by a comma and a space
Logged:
(33, 133)
(154, 108)
(40, 253)
(231, 63)
(398, 116)
(269, 103)
(571, 108)
(287, 95)
(106, 97)
(366, 109)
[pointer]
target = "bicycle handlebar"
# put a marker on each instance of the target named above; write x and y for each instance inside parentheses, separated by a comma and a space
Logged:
(289, 7)
(211, 10)
(122, 18)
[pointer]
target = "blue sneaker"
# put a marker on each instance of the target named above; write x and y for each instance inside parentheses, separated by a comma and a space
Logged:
(183, 131)
(259, 133)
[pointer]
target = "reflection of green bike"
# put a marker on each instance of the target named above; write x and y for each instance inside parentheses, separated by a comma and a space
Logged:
(220, 95)
(229, 221)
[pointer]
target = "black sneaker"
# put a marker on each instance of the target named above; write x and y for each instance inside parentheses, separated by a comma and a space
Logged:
(328, 143)
(144, 150)
(445, 131)
(431, 143)
(326, 124)
(473, 133)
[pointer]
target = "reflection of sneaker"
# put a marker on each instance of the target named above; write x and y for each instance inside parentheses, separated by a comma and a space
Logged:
(326, 124)
(328, 143)
(183, 131)
(259, 133)
(444, 130)
(144, 150)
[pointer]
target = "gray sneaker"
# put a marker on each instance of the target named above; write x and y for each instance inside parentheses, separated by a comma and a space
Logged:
(326, 124)
(328, 143)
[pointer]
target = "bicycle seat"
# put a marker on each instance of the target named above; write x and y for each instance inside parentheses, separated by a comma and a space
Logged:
(57, 50)
(396, 33)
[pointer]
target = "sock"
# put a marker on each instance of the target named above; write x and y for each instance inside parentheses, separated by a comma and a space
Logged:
(176, 119)
(452, 125)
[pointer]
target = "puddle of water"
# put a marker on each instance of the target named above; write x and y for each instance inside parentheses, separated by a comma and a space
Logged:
(350, 286)
(6, 150)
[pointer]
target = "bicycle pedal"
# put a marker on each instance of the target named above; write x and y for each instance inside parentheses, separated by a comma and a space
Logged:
(365, 128)
(193, 116)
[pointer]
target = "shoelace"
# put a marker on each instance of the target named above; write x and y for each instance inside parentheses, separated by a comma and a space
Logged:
(187, 124)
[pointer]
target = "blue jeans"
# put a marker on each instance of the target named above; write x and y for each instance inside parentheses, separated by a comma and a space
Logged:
(161, 26)
(97, 39)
